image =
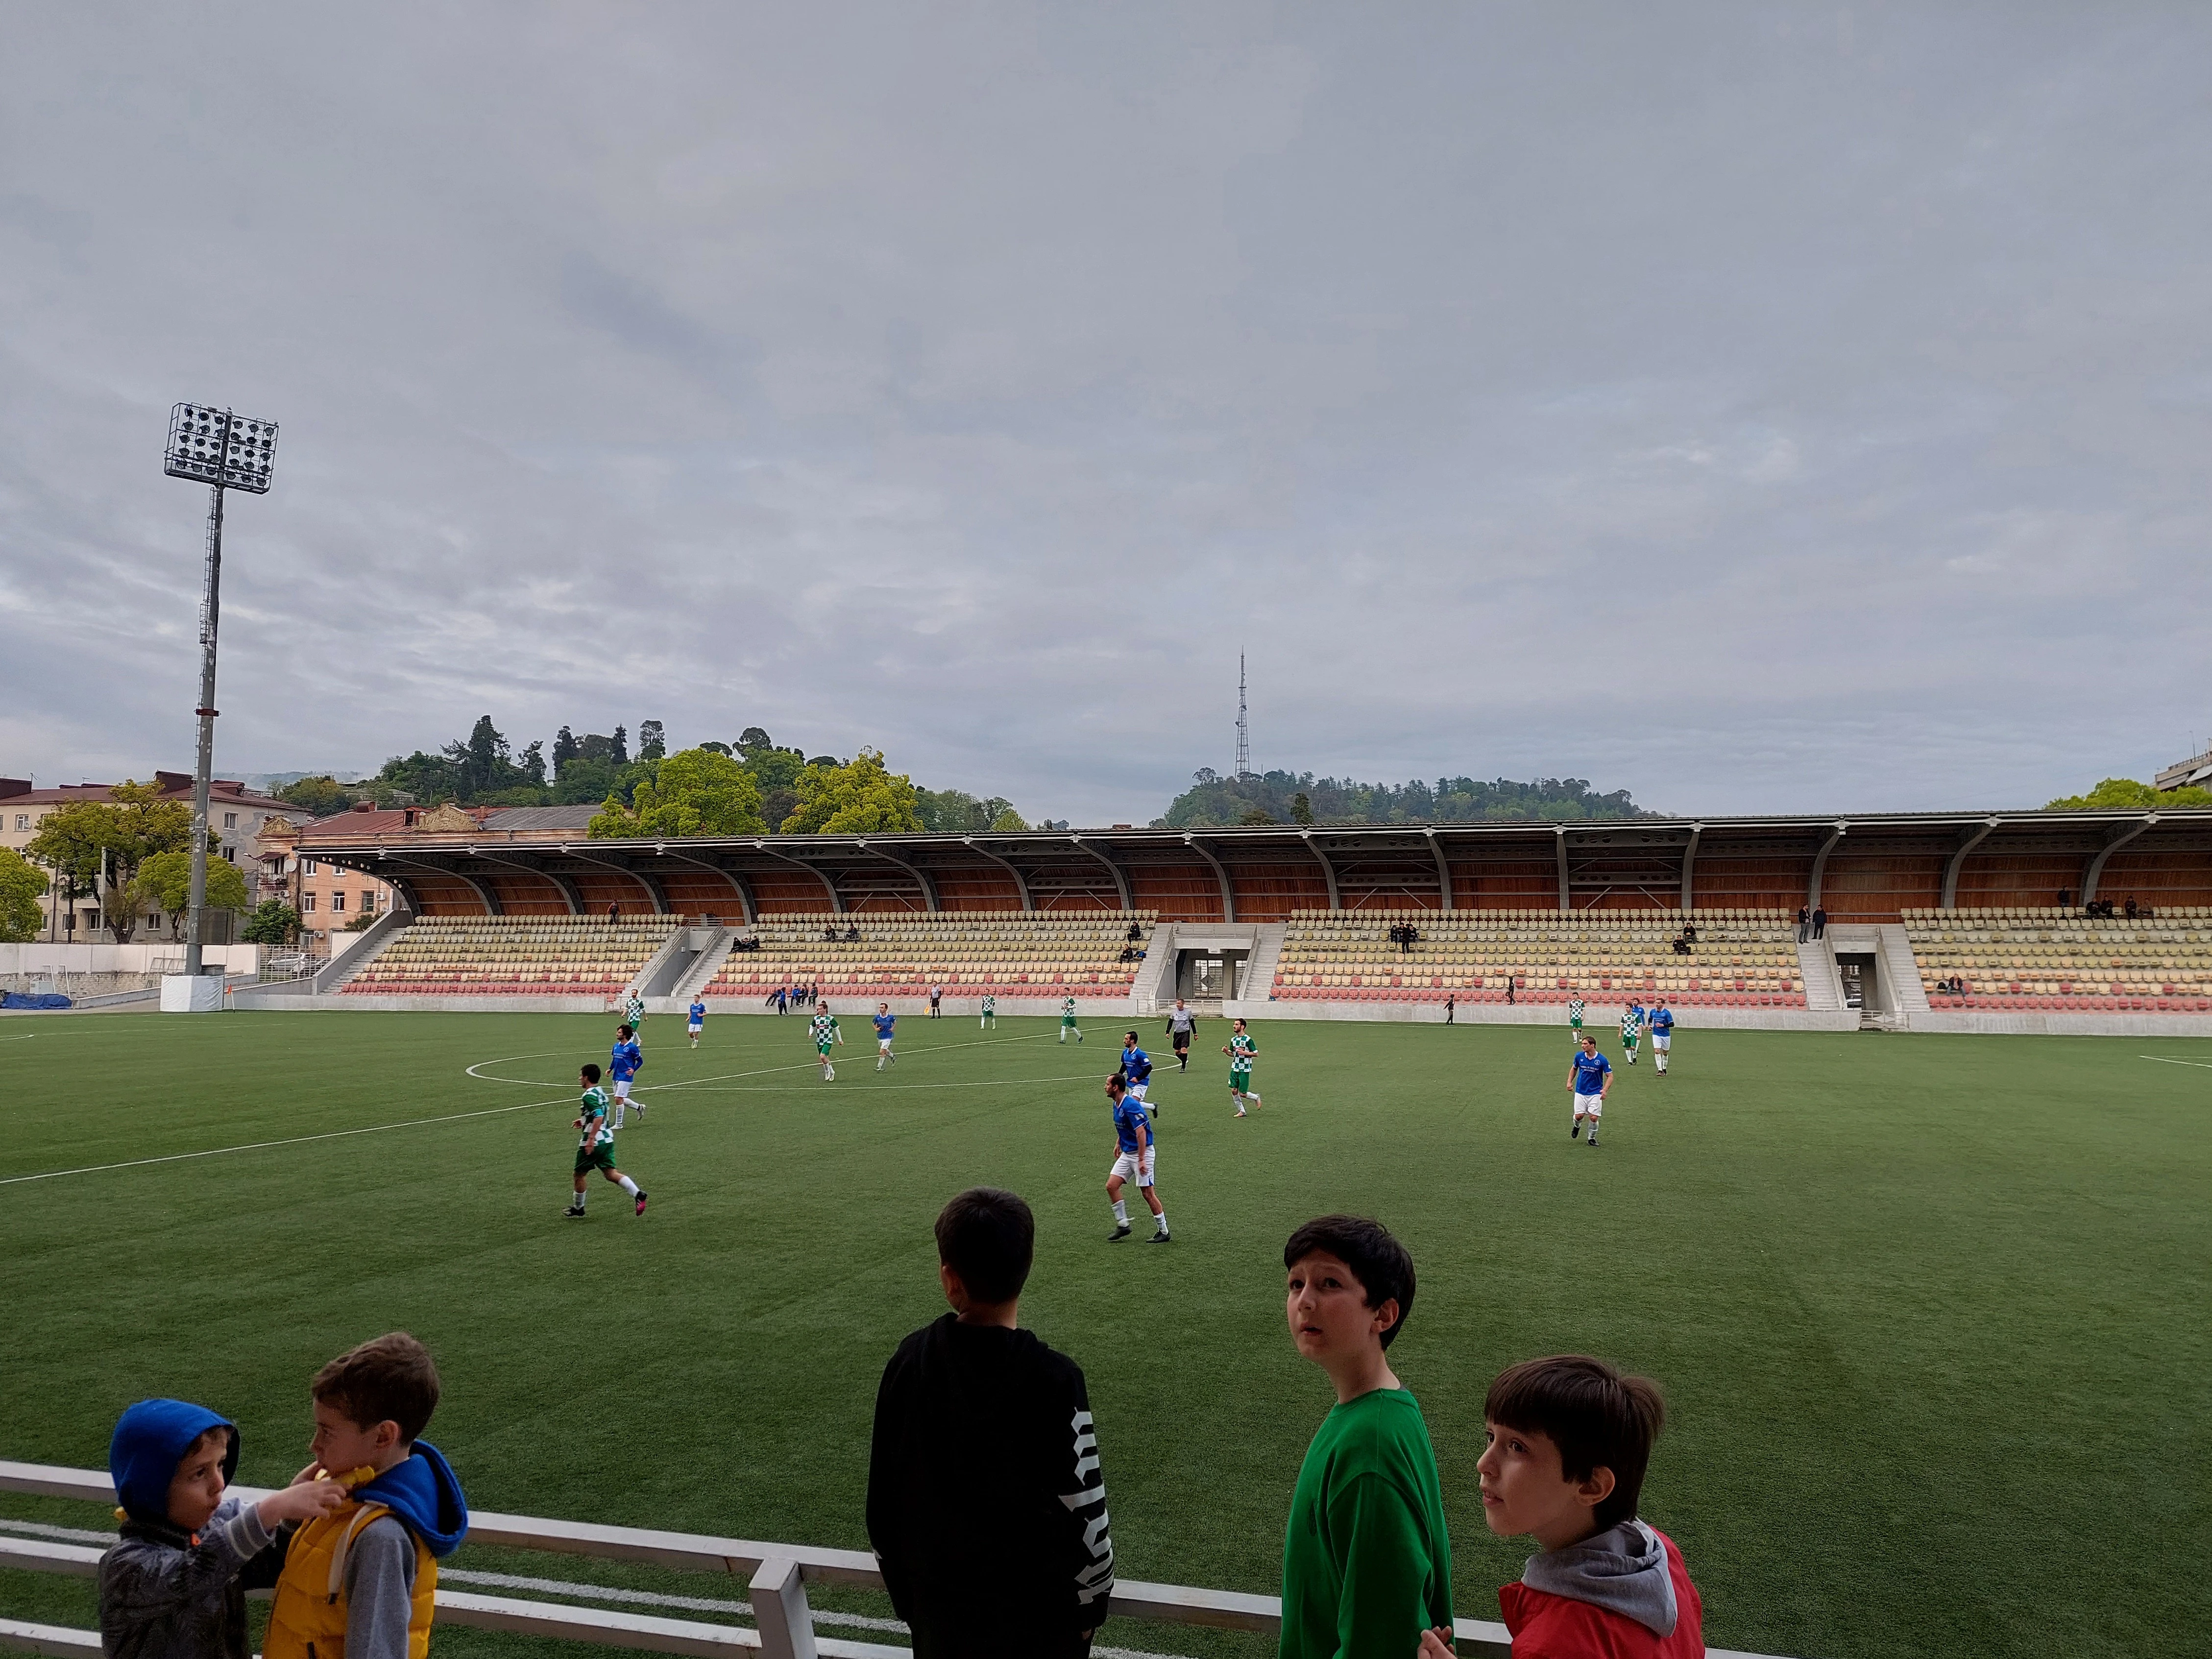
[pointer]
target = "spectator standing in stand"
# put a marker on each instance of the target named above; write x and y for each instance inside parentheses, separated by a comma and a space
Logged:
(1804, 923)
(1819, 922)
(987, 1506)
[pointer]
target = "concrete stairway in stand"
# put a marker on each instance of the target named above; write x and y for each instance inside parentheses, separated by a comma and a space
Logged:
(1824, 988)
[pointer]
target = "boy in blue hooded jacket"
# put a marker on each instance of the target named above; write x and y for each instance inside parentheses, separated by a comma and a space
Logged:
(360, 1581)
(174, 1586)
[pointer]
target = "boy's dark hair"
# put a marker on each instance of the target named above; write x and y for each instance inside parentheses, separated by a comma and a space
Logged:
(1598, 1419)
(1377, 1261)
(591, 1074)
(387, 1378)
(988, 1236)
(623, 1031)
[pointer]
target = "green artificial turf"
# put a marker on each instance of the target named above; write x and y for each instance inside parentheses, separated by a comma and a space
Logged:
(1929, 1312)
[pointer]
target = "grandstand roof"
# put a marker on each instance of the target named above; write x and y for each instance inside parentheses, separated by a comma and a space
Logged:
(1870, 865)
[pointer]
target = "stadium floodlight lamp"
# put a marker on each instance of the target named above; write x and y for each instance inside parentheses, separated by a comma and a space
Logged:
(214, 447)
(224, 451)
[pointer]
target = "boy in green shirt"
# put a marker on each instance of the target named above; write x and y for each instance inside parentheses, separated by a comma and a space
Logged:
(1366, 1560)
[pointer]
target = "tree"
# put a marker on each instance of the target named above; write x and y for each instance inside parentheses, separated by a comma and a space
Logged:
(861, 798)
(272, 923)
(1256, 815)
(1302, 808)
(774, 772)
(751, 740)
(621, 755)
(534, 763)
(565, 749)
(584, 780)
(1214, 800)
(22, 886)
(721, 749)
(165, 882)
(2115, 793)
(318, 797)
(695, 791)
(1008, 820)
(88, 844)
(652, 742)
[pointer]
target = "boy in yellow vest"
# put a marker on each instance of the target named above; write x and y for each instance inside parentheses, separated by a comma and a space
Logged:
(358, 1582)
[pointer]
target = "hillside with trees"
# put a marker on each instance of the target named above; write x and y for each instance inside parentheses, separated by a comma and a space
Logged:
(1213, 801)
(2123, 793)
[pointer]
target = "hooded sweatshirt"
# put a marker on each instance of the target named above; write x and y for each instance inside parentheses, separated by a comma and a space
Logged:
(165, 1593)
(1624, 1594)
(424, 1496)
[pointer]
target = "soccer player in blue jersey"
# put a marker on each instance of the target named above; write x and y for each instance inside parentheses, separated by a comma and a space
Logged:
(1137, 1068)
(626, 1061)
(1663, 1034)
(1134, 1150)
(697, 1018)
(1591, 1077)
(886, 1021)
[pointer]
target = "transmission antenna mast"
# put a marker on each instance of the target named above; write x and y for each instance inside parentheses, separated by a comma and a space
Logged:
(1243, 725)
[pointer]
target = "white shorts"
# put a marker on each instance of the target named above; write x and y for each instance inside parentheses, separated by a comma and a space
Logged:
(882, 1045)
(1125, 1167)
(1136, 1091)
(697, 1027)
(1588, 1105)
(622, 1091)
(1661, 1039)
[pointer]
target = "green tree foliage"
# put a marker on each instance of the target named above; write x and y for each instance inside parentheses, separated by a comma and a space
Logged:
(956, 812)
(652, 740)
(583, 781)
(860, 798)
(565, 749)
(1212, 801)
(272, 923)
(2124, 793)
(695, 791)
(21, 886)
(477, 771)
(85, 840)
(317, 797)
(164, 883)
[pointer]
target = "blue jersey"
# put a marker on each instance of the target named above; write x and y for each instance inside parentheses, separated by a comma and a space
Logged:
(1590, 1073)
(1662, 1020)
(883, 1023)
(626, 1059)
(1136, 1064)
(698, 1013)
(1132, 1126)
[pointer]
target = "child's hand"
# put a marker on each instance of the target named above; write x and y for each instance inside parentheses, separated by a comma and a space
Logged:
(303, 1502)
(1436, 1645)
(312, 1469)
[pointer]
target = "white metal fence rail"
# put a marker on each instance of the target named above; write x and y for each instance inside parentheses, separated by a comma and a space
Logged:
(777, 1574)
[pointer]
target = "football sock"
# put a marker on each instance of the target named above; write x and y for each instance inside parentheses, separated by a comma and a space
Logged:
(576, 1200)
(1121, 1213)
(1162, 1217)
(627, 1185)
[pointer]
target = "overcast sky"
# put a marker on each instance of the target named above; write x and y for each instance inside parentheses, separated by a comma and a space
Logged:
(1757, 408)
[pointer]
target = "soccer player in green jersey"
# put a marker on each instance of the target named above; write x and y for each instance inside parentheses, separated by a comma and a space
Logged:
(1241, 1049)
(824, 1028)
(1631, 1029)
(635, 1009)
(1067, 1019)
(989, 1021)
(1575, 1019)
(595, 1150)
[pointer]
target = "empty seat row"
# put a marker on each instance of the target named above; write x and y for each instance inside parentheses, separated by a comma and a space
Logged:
(530, 956)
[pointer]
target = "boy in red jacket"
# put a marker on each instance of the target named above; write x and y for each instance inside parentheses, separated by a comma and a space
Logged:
(1569, 1439)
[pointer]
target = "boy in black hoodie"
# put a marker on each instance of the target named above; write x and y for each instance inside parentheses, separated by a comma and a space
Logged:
(986, 1504)
(174, 1586)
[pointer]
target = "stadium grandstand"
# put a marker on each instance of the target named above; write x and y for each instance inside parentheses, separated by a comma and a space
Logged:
(1934, 920)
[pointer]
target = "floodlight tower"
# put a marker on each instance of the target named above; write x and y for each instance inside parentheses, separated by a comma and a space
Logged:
(223, 451)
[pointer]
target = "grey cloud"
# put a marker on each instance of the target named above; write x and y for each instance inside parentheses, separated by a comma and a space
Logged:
(1762, 411)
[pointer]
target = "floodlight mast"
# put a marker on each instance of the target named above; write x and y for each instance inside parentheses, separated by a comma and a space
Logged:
(217, 446)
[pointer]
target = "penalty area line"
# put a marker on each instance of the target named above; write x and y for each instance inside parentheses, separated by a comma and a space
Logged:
(2163, 1061)
(293, 1140)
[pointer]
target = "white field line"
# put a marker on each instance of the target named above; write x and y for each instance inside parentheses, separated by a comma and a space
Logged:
(292, 1140)
(476, 1072)
(2163, 1060)
(72, 1535)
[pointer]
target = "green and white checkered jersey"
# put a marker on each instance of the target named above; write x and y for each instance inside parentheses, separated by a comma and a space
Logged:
(1241, 1050)
(597, 1130)
(1067, 1008)
(635, 1008)
(825, 1027)
(1574, 1011)
(1630, 1027)
(990, 1004)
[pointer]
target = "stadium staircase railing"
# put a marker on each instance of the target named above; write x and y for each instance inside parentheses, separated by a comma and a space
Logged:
(784, 1624)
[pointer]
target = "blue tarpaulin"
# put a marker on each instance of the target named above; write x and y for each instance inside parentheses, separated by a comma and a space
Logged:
(28, 1000)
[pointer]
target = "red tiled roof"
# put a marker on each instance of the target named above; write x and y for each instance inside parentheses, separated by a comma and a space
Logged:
(230, 790)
